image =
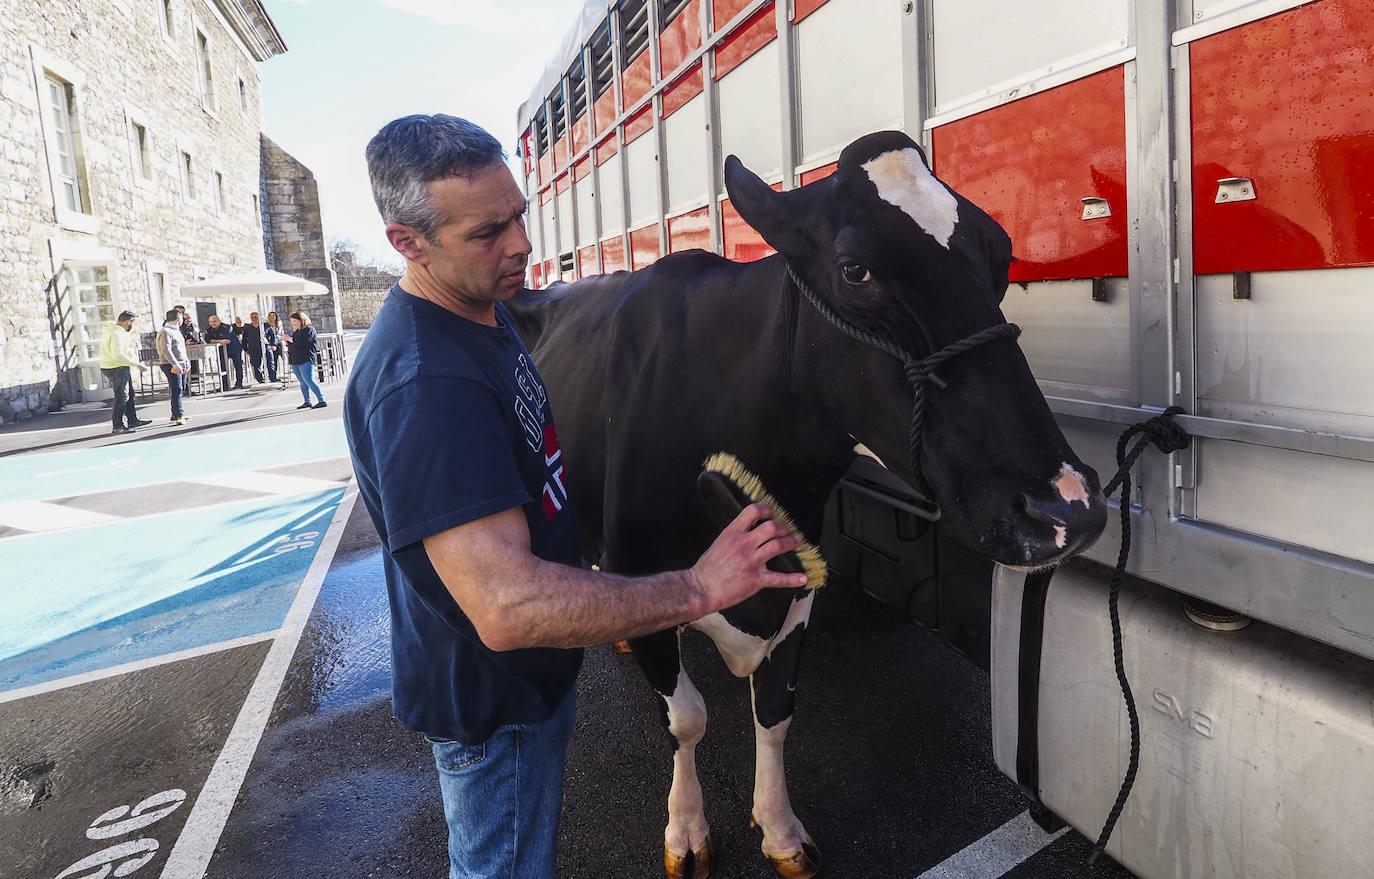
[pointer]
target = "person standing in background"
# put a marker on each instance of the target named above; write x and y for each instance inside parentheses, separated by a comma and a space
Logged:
(191, 336)
(117, 357)
(252, 340)
(171, 355)
(276, 337)
(222, 334)
(301, 352)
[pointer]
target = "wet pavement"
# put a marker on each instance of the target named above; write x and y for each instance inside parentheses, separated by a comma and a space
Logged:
(158, 591)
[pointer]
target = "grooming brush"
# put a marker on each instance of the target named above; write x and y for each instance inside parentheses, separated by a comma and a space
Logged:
(726, 486)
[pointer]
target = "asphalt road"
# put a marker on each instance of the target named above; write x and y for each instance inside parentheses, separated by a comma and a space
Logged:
(129, 740)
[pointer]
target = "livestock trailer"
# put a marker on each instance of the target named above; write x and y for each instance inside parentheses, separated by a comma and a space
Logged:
(1189, 187)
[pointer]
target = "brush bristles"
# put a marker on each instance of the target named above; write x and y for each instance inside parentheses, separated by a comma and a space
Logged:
(731, 468)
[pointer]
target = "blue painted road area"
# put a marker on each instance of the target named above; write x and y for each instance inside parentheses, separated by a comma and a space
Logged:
(159, 547)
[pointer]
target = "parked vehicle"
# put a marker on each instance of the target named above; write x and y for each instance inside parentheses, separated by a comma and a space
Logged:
(1187, 185)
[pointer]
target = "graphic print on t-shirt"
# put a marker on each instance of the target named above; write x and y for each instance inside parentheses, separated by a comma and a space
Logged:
(555, 487)
(541, 435)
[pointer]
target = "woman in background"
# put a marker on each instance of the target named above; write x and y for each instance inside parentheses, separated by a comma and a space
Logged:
(301, 351)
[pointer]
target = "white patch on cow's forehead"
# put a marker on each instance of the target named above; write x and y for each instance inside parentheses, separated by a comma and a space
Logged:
(904, 180)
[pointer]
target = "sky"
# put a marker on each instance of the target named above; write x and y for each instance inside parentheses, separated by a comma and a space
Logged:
(351, 66)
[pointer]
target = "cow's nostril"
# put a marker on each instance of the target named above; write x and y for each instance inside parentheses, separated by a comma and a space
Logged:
(1044, 511)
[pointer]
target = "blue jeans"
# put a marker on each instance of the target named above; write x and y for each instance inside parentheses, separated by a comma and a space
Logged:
(502, 798)
(174, 388)
(305, 374)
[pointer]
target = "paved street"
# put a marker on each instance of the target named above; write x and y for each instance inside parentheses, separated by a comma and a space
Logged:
(194, 682)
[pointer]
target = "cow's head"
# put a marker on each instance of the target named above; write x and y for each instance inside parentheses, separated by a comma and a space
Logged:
(896, 252)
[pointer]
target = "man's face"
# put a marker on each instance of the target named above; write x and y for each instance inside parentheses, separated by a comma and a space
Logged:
(254, 318)
(127, 325)
(214, 323)
(480, 249)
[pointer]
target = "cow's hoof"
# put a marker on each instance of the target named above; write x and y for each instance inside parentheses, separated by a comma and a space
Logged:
(800, 864)
(692, 865)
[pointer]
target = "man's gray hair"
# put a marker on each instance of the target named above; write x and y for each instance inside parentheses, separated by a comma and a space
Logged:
(411, 152)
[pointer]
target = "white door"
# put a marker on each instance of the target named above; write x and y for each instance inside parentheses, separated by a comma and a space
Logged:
(91, 305)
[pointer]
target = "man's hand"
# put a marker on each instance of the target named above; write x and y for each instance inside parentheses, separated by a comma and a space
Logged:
(734, 568)
(177, 370)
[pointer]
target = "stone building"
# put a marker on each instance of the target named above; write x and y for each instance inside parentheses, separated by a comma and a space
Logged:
(294, 235)
(130, 164)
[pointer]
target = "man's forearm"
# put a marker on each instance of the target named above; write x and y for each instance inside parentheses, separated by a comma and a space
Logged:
(573, 607)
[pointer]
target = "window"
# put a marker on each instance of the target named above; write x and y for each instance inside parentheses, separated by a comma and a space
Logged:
(634, 30)
(138, 151)
(61, 106)
(91, 306)
(164, 17)
(257, 210)
(218, 192)
(603, 59)
(577, 88)
(558, 112)
(157, 293)
(243, 96)
(188, 179)
(207, 78)
(668, 10)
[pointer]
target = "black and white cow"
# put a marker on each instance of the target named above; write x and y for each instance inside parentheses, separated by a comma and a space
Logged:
(652, 371)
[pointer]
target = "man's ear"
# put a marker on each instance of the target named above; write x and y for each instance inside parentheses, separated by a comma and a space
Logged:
(780, 217)
(408, 243)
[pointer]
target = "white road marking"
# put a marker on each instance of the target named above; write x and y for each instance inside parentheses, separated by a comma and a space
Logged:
(323, 485)
(267, 483)
(997, 853)
(190, 856)
(140, 665)
(36, 516)
(197, 413)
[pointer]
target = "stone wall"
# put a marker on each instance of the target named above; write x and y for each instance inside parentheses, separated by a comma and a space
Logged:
(295, 230)
(121, 69)
(362, 288)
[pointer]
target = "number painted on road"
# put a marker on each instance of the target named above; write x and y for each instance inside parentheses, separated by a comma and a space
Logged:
(138, 853)
(162, 804)
(299, 540)
(124, 858)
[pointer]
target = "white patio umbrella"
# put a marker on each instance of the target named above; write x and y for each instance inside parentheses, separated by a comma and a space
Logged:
(255, 282)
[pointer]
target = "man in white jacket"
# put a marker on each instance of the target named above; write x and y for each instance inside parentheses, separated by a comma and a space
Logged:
(117, 357)
(171, 354)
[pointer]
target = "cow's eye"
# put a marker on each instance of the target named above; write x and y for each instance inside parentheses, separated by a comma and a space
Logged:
(855, 273)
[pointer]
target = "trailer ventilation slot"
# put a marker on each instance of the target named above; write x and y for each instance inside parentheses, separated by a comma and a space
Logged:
(603, 60)
(634, 30)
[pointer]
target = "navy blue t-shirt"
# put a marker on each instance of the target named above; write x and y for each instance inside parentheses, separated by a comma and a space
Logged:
(448, 422)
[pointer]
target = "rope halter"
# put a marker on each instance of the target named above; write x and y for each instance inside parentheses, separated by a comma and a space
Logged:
(919, 372)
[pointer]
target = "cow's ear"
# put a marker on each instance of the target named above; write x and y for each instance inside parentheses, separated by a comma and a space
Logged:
(777, 216)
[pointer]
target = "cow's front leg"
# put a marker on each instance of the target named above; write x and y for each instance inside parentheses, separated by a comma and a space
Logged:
(785, 841)
(687, 838)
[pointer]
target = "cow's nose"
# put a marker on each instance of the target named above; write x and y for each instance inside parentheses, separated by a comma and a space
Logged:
(1051, 512)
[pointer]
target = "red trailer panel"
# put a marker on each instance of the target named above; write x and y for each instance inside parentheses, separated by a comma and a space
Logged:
(1030, 163)
(636, 80)
(604, 110)
(586, 262)
(802, 8)
(820, 173)
(686, 87)
(742, 243)
(680, 38)
(644, 246)
(690, 230)
(759, 31)
(606, 149)
(1288, 103)
(613, 255)
(639, 123)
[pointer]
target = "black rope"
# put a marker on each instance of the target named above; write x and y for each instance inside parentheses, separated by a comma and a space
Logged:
(918, 371)
(1167, 436)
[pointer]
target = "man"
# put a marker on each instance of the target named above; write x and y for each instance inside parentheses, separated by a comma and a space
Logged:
(220, 334)
(117, 357)
(452, 441)
(252, 339)
(191, 336)
(171, 355)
